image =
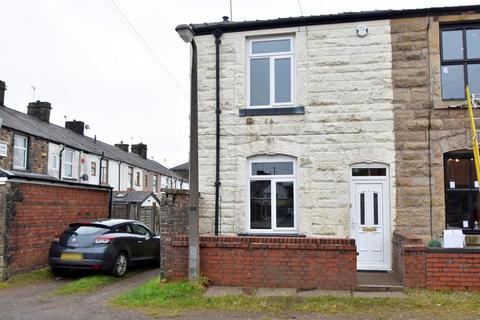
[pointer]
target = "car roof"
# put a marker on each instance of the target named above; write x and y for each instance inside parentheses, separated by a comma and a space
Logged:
(107, 222)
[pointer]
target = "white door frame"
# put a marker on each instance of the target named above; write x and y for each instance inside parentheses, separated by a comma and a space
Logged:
(387, 219)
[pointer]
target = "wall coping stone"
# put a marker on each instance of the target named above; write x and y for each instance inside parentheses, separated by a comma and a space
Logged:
(290, 243)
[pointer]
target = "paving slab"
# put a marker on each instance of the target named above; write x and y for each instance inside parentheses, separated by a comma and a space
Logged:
(394, 294)
(323, 293)
(276, 292)
(218, 291)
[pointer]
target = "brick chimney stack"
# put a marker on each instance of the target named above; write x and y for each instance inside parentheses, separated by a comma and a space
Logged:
(75, 126)
(140, 149)
(123, 146)
(3, 87)
(40, 110)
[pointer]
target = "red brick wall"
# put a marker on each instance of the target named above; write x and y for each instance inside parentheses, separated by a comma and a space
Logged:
(304, 263)
(440, 268)
(454, 271)
(400, 240)
(36, 213)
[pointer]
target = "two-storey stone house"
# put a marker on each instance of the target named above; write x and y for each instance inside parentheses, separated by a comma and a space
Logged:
(339, 126)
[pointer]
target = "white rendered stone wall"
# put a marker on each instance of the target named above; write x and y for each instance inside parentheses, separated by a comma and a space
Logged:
(345, 84)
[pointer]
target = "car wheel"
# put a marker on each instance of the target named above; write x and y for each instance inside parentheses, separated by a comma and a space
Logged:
(120, 266)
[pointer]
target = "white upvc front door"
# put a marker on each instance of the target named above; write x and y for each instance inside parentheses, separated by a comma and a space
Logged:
(371, 221)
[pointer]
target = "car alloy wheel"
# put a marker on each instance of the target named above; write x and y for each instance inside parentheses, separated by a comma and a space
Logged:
(120, 267)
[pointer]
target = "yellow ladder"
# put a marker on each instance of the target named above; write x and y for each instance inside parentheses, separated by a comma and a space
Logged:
(476, 154)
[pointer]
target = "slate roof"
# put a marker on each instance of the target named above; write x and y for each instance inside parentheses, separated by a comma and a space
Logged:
(182, 167)
(208, 28)
(132, 196)
(31, 125)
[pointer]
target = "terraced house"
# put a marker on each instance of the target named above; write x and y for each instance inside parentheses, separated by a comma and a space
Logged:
(335, 127)
(33, 146)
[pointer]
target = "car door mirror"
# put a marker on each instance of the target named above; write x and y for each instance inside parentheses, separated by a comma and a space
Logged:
(148, 236)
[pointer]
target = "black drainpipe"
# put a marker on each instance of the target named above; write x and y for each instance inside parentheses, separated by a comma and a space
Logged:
(110, 205)
(60, 156)
(218, 34)
(100, 167)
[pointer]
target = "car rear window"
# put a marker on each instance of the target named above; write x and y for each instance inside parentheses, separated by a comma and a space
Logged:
(87, 230)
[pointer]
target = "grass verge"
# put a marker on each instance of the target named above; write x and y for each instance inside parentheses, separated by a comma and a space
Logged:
(169, 299)
(27, 278)
(89, 283)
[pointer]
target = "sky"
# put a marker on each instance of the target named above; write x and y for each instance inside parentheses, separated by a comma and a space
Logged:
(129, 81)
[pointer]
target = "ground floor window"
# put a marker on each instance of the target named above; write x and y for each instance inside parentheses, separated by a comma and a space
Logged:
(272, 195)
(462, 205)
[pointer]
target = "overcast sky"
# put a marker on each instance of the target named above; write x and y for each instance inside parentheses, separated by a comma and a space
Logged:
(83, 59)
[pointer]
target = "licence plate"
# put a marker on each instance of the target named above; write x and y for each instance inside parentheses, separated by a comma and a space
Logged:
(71, 256)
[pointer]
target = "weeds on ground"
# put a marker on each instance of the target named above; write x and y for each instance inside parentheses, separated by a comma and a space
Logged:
(27, 278)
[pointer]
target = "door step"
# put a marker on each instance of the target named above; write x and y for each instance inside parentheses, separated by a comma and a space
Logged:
(378, 288)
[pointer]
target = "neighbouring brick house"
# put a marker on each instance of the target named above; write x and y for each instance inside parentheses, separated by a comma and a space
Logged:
(334, 127)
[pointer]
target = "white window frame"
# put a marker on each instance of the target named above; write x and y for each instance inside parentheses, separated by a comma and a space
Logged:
(273, 180)
(25, 157)
(66, 163)
(54, 161)
(272, 56)
(155, 183)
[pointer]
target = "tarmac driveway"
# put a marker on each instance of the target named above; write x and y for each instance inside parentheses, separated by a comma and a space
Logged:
(34, 301)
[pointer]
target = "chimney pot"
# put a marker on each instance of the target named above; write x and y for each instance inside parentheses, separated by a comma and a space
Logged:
(40, 110)
(75, 126)
(3, 87)
(225, 19)
(140, 149)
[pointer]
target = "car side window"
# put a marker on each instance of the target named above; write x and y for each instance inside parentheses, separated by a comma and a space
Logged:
(138, 229)
(123, 229)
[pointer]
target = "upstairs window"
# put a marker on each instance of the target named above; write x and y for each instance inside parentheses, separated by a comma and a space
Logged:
(155, 183)
(68, 166)
(93, 169)
(20, 152)
(138, 179)
(270, 72)
(104, 171)
(130, 177)
(460, 61)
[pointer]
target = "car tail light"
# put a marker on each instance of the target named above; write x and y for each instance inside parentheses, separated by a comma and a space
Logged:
(56, 238)
(104, 239)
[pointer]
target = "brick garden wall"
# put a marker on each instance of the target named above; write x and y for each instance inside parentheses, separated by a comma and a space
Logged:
(33, 213)
(284, 262)
(440, 268)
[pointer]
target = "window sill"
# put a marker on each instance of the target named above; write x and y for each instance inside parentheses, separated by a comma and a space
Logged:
(247, 112)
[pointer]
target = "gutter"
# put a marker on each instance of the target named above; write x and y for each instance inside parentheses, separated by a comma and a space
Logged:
(209, 28)
(100, 172)
(218, 34)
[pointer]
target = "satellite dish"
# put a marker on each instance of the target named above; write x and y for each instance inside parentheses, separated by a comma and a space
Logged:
(84, 177)
(87, 127)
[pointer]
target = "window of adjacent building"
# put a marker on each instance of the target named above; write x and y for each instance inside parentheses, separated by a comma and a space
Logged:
(461, 190)
(54, 161)
(104, 171)
(20, 152)
(460, 61)
(271, 191)
(138, 179)
(155, 183)
(130, 177)
(93, 169)
(270, 72)
(68, 163)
